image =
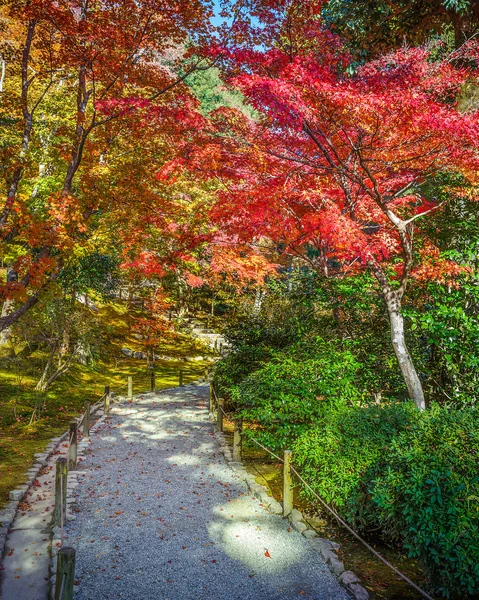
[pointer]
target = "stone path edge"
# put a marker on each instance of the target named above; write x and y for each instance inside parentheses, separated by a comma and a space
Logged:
(8, 514)
(72, 483)
(325, 547)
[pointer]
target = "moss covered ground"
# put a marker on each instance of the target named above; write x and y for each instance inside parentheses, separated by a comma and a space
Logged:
(21, 438)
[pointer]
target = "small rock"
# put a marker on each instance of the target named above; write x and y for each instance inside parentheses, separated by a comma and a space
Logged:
(336, 566)
(310, 534)
(348, 577)
(358, 591)
(275, 507)
(298, 526)
(320, 543)
(18, 493)
(327, 554)
(295, 515)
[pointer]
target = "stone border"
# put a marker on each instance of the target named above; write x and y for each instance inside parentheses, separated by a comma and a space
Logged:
(72, 483)
(325, 547)
(8, 514)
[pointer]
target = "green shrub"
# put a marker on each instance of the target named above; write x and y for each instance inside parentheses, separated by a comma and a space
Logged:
(414, 475)
(338, 457)
(295, 390)
(232, 369)
(428, 496)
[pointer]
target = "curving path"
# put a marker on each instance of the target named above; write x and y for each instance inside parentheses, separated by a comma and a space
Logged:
(161, 516)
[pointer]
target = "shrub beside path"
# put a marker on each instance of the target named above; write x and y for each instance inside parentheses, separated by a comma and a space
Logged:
(160, 515)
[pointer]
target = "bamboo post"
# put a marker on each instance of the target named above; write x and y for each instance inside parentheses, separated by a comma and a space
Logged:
(181, 377)
(65, 574)
(130, 387)
(219, 415)
(61, 475)
(237, 440)
(287, 484)
(153, 382)
(86, 421)
(72, 449)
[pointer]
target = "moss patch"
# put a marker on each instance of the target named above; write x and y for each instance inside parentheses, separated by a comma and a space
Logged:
(21, 437)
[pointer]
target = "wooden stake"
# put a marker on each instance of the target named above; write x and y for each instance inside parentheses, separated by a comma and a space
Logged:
(219, 415)
(86, 421)
(237, 441)
(212, 399)
(61, 475)
(287, 484)
(181, 377)
(130, 387)
(65, 574)
(72, 449)
(153, 382)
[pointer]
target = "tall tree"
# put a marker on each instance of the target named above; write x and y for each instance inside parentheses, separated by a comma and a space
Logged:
(338, 163)
(77, 75)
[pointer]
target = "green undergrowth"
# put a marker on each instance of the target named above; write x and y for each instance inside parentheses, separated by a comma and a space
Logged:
(21, 436)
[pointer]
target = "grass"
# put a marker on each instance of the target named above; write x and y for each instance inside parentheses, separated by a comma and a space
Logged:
(20, 439)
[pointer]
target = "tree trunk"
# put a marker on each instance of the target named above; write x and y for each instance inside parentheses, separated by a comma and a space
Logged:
(406, 364)
(258, 301)
(5, 333)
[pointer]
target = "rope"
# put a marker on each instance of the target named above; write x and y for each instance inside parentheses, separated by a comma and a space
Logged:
(267, 449)
(357, 536)
(337, 517)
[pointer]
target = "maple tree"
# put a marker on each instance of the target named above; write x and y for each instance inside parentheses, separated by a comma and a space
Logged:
(338, 163)
(79, 77)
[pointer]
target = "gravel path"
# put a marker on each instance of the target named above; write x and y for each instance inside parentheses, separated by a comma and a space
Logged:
(163, 517)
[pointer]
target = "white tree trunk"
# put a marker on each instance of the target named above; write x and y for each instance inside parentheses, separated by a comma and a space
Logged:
(406, 364)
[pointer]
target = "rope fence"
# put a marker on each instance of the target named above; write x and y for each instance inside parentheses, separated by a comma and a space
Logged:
(287, 493)
(64, 582)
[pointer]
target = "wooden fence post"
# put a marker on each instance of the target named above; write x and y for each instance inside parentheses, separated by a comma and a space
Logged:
(219, 415)
(72, 449)
(106, 405)
(130, 387)
(61, 475)
(212, 399)
(65, 574)
(86, 421)
(221, 348)
(216, 344)
(237, 440)
(153, 382)
(287, 484)
(181, 377)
